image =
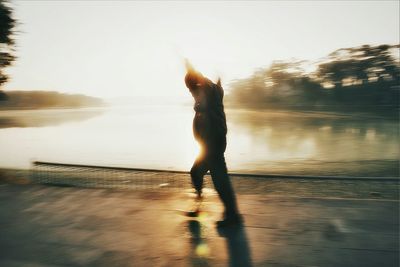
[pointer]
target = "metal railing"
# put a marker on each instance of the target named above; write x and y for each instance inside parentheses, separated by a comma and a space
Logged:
(107, 177)
(62, 174)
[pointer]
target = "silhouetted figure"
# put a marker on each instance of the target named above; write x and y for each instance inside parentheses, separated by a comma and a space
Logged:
(209, 128)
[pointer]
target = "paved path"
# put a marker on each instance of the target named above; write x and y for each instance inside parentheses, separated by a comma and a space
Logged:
(62, 226)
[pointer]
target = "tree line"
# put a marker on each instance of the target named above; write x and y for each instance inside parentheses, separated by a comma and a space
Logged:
(363, 78)
(7, 42)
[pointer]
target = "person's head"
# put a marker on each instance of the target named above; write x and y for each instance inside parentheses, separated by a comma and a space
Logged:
(193, 80)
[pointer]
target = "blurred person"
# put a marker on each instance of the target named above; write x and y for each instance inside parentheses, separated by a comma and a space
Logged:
(209, 129)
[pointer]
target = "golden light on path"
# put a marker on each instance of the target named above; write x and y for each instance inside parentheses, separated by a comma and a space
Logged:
(202, 250)
(202, 216)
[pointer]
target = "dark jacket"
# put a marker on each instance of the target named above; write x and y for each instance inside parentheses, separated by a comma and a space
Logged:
(209, 123)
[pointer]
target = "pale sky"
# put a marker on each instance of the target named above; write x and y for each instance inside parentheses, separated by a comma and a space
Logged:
(133, 48)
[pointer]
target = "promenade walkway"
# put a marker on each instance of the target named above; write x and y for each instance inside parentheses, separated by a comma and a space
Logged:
(293, 223)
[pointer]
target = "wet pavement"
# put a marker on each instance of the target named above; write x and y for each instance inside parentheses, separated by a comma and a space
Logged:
(68, 226)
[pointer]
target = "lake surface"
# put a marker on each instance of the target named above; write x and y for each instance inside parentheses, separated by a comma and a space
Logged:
(155, 136)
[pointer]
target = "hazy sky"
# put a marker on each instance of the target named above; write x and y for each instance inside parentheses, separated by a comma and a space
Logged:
(133, 48)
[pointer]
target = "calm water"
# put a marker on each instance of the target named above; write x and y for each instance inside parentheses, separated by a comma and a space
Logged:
(161, 137)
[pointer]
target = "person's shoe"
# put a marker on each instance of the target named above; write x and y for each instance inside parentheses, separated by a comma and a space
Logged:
(199, 198)
(231, 221)
(192, 213)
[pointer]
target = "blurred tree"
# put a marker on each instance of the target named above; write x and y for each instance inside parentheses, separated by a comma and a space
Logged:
(284, 82)
(7, 27)
(285, 72)
(363, 64)
(364, 78)
(335, 71)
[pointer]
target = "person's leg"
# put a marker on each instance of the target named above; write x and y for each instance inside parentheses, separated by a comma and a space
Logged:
(222, 184)
(199, 169)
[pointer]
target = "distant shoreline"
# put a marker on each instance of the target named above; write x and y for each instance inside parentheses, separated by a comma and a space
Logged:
(49, 108)
(35, 100)
(40, 117)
